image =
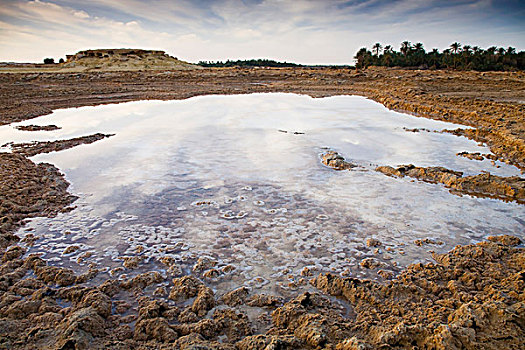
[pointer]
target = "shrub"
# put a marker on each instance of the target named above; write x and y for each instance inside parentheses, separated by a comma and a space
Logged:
(49, 60)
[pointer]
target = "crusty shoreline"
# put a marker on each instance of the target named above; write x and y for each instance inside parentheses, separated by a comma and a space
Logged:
(471, 297)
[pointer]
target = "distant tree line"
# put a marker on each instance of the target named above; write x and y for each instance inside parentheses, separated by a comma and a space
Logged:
(52, 60)
(247, 63)
(457, 56)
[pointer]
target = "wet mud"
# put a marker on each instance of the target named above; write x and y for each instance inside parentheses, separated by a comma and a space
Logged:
(37, 147)
(470, 298)
(38, 127)
(483, 185)
(336, 161)
(28, 190)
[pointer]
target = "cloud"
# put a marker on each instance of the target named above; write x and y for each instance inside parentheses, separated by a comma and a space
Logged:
(305, 31)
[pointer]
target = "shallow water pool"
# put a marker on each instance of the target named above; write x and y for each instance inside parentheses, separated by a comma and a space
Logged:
(237, 181)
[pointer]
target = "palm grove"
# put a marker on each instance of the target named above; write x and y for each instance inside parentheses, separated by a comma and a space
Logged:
(457, 56)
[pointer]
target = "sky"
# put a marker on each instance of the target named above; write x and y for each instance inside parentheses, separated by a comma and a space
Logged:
(301, 31)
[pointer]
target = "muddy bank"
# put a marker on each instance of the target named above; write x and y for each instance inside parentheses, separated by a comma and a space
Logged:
(470, 298)
(477, 156)
(33, 148)
(505, 149)
(336, 161)
(482, 185)
(492, 102)
(28, 190)
(38, 127)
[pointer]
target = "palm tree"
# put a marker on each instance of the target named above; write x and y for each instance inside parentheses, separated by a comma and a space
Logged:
(362, 57)
(446, 59)
(433, 57)
(490, 56)
(377, 47)
(456, 56)
(405, 47)
(455, 47)
(466, 56)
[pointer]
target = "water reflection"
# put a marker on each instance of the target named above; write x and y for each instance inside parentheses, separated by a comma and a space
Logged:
(217, 178)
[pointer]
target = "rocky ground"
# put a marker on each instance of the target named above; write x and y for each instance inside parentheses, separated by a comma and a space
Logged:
(28, 190)
(470, 298)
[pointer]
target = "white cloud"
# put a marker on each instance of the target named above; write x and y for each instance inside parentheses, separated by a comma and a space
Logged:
(304, 31)
(81, 14)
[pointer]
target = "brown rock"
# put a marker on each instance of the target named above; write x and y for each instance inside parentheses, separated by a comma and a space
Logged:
(261, 341)
(123, 332)
(184, 288)
(204, 263)
(154, 329)
(235, 325)
(371, 263)
(204, 301)
(482, 185)
(59, 275)
(264, 300)
(142, 280)
(79, 329)
(188, 316)
(335, 161)
(156, 308)
(505, 240)
(372, 242)
(196, 341)
(71, 249)
(13, 252)
(23, 308)
(235, 297)
(98, 301)
(132, 262)
(421, 242)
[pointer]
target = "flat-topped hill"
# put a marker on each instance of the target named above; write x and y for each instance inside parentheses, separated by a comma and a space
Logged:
(107, 60)
(124, 59)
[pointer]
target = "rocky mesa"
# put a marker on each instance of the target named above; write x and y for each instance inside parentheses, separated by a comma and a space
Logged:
(124, 60)
(107, 60)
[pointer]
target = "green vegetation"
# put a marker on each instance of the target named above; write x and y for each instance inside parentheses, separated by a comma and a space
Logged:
(457, 56)
(49, 60)
(247, 63)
